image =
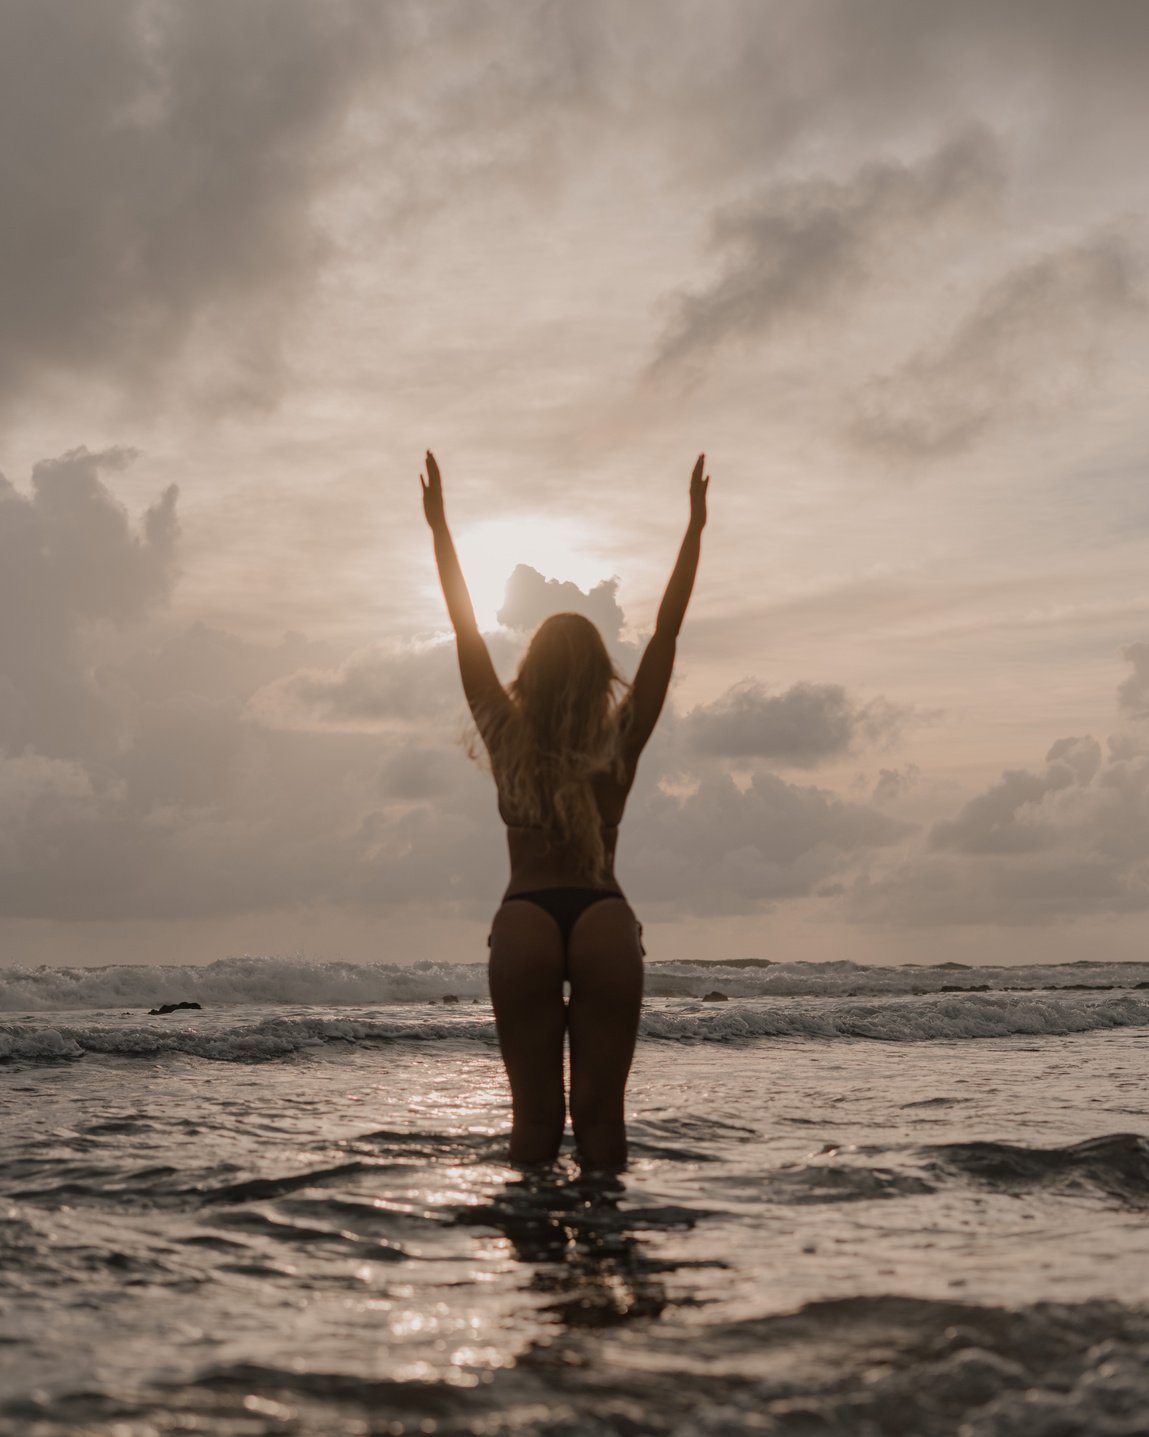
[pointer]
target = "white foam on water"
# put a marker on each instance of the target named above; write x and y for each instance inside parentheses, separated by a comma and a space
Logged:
(235, 980)
(274, 980)
(247, 1035)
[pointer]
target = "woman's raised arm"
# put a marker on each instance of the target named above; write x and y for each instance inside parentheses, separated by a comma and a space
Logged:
(648, 692)
(480, 682)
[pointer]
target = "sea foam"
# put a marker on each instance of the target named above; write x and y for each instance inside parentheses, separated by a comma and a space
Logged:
(254, 1035)
(305, 981)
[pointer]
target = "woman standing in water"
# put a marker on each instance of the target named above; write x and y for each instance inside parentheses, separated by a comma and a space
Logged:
(564, 739)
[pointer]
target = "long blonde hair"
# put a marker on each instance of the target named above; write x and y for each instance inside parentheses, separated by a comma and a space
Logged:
(563, 725)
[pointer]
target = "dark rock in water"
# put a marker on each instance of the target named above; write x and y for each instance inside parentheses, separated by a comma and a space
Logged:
(964, 988)
(450, 998)
(172, 1007)
(475, 1001)
(714, 996)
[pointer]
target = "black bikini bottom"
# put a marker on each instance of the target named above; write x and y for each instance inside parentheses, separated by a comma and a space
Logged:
(566, 906)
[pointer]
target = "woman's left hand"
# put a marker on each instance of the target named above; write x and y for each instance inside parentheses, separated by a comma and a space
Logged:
(698, 488)
(432, 488)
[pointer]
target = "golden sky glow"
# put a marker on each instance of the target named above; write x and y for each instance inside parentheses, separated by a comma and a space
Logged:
(886, 264)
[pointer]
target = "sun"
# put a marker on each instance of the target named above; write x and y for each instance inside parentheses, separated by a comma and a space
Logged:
(490, 550)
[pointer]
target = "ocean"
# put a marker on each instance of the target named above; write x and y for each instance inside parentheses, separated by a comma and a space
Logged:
(865, 1201)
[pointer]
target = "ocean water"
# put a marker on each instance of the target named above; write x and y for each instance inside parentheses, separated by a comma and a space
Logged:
(861, 1201)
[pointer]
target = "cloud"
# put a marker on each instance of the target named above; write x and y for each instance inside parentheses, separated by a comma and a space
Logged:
(1035, 338)
(159, 164)
(184, 190)
(207, 775)
(1133, 694)
(93, 561)
(725, 849)
(863, 74)
(212, 664)
(807, 245)
(531, 598)
(1013, 816)
(196, 838)
(416, 683)
(378, 684)
(1065, 841)
(412, 683)
(69, 559)
(418, 772)
(806, 725)
(893, 784)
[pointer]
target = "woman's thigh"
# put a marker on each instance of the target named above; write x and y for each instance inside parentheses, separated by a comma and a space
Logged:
(526, 977)
(605, 969)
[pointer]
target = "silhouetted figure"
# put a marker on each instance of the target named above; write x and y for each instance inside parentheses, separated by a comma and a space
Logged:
(564, 740)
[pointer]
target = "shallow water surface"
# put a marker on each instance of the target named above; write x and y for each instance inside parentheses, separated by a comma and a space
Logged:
(831, 1234)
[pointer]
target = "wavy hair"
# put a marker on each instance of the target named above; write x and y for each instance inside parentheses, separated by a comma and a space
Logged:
(563, 726)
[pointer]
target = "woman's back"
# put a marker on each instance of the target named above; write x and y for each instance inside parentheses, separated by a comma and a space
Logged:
(541, 857)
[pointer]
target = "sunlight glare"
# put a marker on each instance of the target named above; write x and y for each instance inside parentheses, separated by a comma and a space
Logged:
(490, 550)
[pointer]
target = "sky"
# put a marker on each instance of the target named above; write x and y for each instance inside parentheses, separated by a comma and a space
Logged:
(886, 264)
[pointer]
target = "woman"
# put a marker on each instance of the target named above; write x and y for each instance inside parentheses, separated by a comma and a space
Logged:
(563, 752)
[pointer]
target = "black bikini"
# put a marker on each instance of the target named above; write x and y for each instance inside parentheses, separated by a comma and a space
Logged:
(565, 905)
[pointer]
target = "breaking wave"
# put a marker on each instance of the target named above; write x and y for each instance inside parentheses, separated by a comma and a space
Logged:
(286, 981)
(245, 1035)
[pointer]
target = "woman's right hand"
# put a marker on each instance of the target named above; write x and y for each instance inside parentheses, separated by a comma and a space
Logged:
(698, 488)
(432, 488)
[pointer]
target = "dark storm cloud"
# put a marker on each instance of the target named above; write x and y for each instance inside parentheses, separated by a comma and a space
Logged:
(806, 725)
(807, 245)
(157, 165)
(1036, 337)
